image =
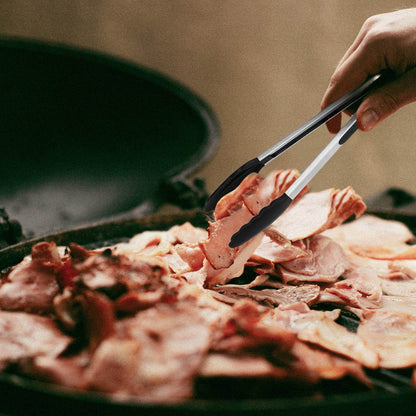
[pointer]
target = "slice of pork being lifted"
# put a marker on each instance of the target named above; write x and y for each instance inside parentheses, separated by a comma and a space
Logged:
(309, 214)
(224, 263)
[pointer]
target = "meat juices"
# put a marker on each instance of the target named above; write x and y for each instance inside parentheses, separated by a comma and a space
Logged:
(144, 320)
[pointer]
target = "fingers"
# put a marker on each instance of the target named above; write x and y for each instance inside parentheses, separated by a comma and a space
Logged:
(350, 74)
(334, 125)
(387, 100)
(358, 64)
(385, 41)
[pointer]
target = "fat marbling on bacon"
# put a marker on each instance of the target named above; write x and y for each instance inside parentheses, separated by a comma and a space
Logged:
(151, 318)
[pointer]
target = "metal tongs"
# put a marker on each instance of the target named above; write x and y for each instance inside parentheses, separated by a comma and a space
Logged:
(270, 213)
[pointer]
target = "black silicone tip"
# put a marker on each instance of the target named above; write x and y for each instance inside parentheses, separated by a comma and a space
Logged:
(261, 221)
(253, 165)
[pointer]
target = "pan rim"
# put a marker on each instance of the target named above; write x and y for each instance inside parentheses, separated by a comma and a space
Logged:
(208, 132)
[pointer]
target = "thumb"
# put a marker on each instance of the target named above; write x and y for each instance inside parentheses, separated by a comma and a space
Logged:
(387, 100)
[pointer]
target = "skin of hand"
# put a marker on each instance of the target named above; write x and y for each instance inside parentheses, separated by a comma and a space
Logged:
(385, 41)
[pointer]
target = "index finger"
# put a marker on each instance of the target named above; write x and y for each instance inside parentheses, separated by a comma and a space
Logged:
(349, 75)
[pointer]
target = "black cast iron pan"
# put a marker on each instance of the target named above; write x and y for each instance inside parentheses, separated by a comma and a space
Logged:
(20, 396)
(87, 137)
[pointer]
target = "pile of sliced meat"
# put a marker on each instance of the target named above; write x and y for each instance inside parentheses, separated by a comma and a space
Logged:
(148, 318)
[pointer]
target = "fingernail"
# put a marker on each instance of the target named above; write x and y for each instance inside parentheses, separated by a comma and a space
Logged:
(369, 119)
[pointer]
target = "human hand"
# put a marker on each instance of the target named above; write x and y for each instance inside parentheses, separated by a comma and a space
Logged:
(385, 41)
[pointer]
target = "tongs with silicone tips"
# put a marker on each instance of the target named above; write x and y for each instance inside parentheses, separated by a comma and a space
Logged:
(271, 212)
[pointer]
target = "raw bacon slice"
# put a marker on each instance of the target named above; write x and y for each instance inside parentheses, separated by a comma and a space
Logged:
(270, 188)
(379, 268)
(377, 238)
(308, 363)
(326, 262)
(178, 247)
(216, 248)
(275, 297)
(155, 355)
(234, 200)
(227, 365)
(360, 287)
(224, 263)
(64, 371)
(151, 243)
(392, 335)
(192, 255)
(402, 304)
(326, 365)
(406, 268)
(245, 332)
(321, 329)
(187, 233)
(159, 243)
(358, 293)
(120, 273)
(24, 336)
(398, 287)
(316, 212)
(276, 249)
(31, 286)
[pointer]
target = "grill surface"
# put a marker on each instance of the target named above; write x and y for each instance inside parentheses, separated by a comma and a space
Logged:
(392, 390)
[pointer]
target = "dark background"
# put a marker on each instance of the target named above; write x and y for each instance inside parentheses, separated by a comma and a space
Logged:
(262, 65)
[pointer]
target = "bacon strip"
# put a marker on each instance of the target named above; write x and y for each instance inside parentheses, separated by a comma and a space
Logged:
(31, 286)
(24, 336)
(223, 262)
(376, 238)
(392, 335)
(319, 328)
(326, 262)
(155, 354)
(284, 296)
(316, 212)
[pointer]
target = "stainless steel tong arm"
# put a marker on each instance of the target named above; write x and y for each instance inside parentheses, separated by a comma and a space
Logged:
(322, 117)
